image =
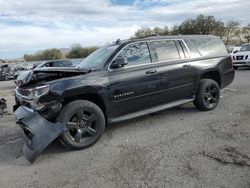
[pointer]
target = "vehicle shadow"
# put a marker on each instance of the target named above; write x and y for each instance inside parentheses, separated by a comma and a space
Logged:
(243, 69)
(56, 147)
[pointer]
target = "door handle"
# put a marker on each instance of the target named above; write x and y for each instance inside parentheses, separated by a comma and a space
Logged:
(187, 65)
(151, 71)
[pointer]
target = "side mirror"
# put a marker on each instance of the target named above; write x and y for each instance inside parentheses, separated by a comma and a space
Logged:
(236, 51)
(119, 62)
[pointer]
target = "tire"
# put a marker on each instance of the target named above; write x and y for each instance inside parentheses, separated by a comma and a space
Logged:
(86, 123)
(208, 95)
(235, 68)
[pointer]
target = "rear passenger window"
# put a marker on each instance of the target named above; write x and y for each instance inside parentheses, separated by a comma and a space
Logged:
(209, 46)
(136, 54)
(164, 51)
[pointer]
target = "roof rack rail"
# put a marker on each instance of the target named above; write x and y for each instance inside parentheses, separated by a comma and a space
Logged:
(152, 35)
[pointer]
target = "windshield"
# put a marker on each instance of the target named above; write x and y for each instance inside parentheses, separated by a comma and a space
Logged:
(245, 48)
(98, 58)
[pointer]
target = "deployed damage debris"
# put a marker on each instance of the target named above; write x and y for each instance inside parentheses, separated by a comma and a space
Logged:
(39, 132)
(3, 105)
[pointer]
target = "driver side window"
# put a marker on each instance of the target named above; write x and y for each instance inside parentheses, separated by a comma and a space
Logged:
(136, 54)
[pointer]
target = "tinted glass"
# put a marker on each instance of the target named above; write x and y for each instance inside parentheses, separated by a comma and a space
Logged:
(62, 64)
(136, 54)
(164, 50)
(98, 58)
(245, 48)
(209, 46)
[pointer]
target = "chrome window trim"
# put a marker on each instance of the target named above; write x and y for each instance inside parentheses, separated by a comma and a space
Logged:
(158, 62)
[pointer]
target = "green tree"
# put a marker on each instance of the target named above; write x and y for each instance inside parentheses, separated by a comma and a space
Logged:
(143, 32)
(231, 30)
(146, 31)
(50, 54)
(29, 57)
(202, 25)
(175, 30)
(77, 51)
(246, 33)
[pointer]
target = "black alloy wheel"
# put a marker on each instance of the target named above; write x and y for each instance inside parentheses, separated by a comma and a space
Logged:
(208, 95)
(211, 96)
(82, 126)
(85, 121)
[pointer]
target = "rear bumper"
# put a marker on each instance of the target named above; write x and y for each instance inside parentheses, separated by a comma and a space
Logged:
(38, 132)
(227, 78)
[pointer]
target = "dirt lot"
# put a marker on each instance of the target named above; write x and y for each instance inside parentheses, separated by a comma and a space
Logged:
(180, 147)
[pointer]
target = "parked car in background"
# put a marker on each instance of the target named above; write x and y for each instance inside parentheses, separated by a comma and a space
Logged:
(118, 82)
(54, 63)
(6, 73)
(76, 61)
(233, 49)
(241, 58)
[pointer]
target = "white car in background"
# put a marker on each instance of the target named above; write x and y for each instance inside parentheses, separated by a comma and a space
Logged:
(233, 49)
(241, 58)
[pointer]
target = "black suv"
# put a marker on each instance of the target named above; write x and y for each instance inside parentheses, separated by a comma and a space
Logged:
(117, 82)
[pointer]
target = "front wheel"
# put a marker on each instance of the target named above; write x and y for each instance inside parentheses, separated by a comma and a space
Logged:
(85, 121)
(208, 95)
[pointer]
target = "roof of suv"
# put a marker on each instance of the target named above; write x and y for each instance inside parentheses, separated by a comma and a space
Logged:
(156, 37)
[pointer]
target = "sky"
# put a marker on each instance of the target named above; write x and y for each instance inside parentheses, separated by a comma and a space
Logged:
(27, 26)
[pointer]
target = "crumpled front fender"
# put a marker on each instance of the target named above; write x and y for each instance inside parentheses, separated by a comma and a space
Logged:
(38, 132)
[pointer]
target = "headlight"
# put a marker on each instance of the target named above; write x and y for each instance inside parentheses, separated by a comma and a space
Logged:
(39, 91)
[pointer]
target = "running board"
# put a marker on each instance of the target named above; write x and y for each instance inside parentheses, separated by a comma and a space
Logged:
(149, 111)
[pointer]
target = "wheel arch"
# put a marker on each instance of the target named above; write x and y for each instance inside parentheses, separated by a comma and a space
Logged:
(87, 93)
(212, 74)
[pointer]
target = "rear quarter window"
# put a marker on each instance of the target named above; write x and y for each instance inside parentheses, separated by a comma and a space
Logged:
(209, 46)
(164, 50)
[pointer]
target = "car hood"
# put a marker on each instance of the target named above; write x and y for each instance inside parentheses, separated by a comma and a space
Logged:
(242, 53)
(47, 74)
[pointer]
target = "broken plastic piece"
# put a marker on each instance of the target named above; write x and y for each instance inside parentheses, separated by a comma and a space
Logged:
(39, 132)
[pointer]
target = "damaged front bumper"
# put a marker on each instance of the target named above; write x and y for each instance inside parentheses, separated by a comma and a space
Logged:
(39, 132)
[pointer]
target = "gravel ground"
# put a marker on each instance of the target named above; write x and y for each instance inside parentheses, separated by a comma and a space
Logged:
(179, 147)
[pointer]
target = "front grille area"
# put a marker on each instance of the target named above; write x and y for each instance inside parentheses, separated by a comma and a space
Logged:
(240, 63)
(240, 57)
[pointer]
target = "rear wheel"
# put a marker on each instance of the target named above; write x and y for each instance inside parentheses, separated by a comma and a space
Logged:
(208, 95)
(85, 121)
